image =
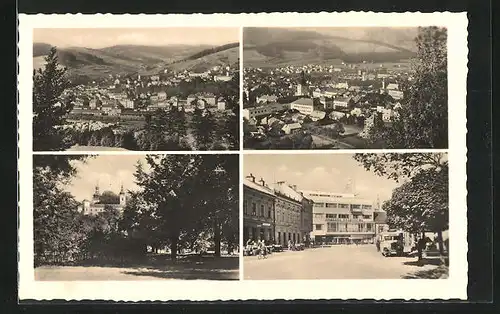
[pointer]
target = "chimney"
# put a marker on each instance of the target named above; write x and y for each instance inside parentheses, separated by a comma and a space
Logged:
(251, 177)
(294, 187)
(261, 181)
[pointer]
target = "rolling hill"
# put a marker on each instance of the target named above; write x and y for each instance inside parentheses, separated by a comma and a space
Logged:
(273, 46)
(126, 59)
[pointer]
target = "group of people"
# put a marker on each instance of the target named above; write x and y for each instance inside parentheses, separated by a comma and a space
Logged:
(257, 247)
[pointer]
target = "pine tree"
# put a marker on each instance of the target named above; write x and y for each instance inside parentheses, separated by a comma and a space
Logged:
(49, 109)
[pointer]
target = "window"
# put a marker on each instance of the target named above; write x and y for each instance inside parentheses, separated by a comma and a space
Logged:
(343, 205)
(367, 206)
(245, 207)
(355, 206)
(254, 209)
(262, 210)
(319, 204)
(332, 227)
(269, 213)
(331, 215)
(331, 205)
(318, 215)
(367, 216)
(344, 216)
(318, 226)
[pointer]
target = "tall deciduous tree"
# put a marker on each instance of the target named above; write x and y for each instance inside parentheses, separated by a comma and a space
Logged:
(49, 108)
(421, 203)
(422, 121)
(56, 232)
(170, 189)
(203, 124)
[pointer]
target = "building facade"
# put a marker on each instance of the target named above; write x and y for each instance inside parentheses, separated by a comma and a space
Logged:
(288, 209)
(303, 105)
(263, 110)
(341, 218)
(95, 206)
(258, 210)
(277, 213)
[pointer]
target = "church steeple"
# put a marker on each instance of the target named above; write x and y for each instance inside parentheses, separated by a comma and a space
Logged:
(123, 197)
(97, 194)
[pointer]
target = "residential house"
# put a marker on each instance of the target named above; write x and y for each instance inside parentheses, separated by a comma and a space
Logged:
(341, 102)
(267, 99)
(291, 128)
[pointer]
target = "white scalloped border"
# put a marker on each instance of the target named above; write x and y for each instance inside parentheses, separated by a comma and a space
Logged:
(455, 287)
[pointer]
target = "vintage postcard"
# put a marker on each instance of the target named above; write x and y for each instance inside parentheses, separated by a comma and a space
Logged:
(317, 156)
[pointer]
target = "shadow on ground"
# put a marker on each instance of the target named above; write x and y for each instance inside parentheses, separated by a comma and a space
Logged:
(205, 268)
(424, 261)
(440, 272)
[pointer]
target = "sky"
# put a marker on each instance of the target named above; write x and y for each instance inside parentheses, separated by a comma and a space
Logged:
(106, 37)
(109, 171)
(320, 172)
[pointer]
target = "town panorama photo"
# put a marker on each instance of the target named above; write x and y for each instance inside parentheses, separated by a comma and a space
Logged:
(173, 89)
(345, 88)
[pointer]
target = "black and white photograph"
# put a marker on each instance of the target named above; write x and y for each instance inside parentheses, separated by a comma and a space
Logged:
(139, 89)
(225, 157)
(346, 216)
(135, 217)
(345, 88)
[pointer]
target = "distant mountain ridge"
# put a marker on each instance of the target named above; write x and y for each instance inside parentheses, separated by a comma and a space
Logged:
(122, 59)
(275, 46)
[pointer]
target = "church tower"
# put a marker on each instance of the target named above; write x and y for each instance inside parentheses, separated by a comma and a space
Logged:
(349, 187)
(123, 199)
(97, 195)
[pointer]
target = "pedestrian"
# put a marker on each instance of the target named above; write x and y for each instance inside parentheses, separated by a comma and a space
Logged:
(289, 245)
(378, 245)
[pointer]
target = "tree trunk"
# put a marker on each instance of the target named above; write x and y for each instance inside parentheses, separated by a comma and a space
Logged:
(174, 240)
(440, 242)
(217, 238)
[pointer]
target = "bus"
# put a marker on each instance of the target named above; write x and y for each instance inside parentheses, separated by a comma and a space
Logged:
(396, 243)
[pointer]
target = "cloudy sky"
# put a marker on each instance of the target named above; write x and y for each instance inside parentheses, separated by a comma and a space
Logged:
(106, 170)
(106, 37)
(321, 172)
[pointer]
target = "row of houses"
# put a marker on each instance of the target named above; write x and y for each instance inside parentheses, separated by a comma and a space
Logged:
(276, 213)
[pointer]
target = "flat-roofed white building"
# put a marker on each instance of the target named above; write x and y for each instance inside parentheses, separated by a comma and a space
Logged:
(341, 218)
(303, 105)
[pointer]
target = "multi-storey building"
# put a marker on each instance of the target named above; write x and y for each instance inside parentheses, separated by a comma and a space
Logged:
(263, 110)
(341, 218)
(303, 105)
(288, 209)
(258, 210)
(277, 213)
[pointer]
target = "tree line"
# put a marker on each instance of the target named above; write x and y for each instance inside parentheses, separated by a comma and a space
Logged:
(184, 201)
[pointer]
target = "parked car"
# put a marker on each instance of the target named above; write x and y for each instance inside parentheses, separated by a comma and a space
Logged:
(277, 248)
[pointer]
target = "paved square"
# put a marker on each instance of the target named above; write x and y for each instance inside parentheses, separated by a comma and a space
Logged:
(336, 262)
